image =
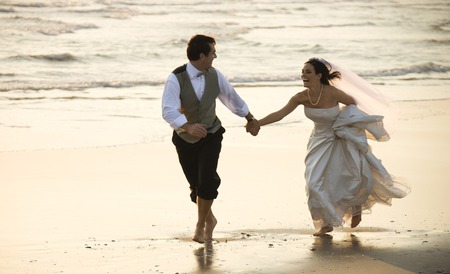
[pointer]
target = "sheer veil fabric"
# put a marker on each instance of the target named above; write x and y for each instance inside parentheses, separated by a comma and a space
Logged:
(368, 98)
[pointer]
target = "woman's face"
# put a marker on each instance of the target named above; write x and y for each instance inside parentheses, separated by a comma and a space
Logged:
(309, 75)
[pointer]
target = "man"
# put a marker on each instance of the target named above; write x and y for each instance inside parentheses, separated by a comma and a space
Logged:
(189, 106)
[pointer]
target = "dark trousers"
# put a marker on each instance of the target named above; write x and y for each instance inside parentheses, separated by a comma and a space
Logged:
(199, 163)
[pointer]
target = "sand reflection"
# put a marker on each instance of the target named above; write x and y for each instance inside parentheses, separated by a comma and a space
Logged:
(324, 245)
(204, 256)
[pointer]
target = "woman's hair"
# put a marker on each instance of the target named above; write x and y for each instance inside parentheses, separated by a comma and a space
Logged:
(197, 45)
(322, 66)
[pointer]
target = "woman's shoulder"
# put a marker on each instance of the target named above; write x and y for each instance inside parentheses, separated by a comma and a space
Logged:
(333, 91)
(300, 97)
(340, 95)
(302, 93)
(330, 89)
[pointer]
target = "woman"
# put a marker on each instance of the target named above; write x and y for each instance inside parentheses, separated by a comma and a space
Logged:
(343, 177)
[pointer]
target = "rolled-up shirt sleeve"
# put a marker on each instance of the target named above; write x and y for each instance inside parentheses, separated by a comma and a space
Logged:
(229, 97)
(171, 103)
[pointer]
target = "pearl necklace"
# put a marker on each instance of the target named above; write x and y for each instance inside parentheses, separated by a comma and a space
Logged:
(318, 99)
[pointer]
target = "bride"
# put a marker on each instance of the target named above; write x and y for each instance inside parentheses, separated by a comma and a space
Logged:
(343, 177)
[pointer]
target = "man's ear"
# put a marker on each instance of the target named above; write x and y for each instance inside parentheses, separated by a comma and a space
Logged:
(202, 56)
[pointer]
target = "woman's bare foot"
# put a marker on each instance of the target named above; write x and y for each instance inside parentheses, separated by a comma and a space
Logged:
(199, 235)
(356, 219)
(209, 228)
(323, 231)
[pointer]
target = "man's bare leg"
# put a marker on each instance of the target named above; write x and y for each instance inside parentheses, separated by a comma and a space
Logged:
(204, 209)
(211, 223)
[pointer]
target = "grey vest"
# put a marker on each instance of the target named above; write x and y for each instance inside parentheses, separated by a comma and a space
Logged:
(203, 111)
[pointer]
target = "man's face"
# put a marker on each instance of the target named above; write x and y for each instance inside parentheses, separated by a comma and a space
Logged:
(208, 60)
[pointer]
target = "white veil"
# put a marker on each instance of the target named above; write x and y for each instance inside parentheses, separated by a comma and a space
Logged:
(366, 96)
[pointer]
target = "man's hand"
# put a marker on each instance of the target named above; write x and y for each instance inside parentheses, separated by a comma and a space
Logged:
(252, 127)
(197, 130)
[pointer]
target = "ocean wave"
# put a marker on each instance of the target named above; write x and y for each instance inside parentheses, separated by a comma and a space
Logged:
(245, 81)
(266, 78)
(66, 98)
(315, 26)
(7, 74)
(57, 57)
(6, 10)
(72, 86)
(335, 25)
(25, 98)
(43, 26)
(264, 81)
(46, 4)
(439, 42)
(428, 68)
(109, 10)
(424, 78)
(445, 26)
(430, 72)
(112, 12)
(30, 5)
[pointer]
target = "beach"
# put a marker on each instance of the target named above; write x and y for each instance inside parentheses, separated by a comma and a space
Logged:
(125, 209)
(89, 178)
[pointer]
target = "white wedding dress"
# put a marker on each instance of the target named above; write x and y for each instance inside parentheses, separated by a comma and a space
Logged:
(341, 171)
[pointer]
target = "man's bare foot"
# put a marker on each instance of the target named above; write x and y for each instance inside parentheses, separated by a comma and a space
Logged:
(356, 219)
(323, 231)
(199, 235)
(209, 228)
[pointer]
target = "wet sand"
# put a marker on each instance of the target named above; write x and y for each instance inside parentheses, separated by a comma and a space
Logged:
(126, 209)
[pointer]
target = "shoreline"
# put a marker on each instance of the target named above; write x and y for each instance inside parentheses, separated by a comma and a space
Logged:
(62, 125)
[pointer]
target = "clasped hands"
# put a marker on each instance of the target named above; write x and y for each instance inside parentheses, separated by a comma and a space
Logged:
(253, 127)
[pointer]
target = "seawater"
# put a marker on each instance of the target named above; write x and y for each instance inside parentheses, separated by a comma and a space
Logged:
(90, 73)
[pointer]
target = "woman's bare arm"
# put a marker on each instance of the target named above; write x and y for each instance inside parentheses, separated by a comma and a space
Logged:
(276, 116)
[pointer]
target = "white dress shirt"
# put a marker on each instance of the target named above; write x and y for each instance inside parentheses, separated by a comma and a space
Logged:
(171, 103)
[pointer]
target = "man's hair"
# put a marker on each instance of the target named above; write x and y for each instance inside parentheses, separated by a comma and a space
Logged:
(197, 45)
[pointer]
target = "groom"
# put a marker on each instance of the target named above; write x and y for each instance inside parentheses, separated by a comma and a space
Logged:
(189, 106)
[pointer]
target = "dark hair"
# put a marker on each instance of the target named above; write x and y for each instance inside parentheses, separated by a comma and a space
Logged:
(197, 45)
(322, 66)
